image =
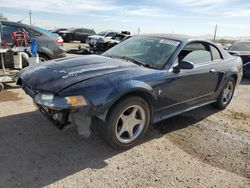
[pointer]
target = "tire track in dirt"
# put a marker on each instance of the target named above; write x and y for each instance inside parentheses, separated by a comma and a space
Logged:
(212, 141)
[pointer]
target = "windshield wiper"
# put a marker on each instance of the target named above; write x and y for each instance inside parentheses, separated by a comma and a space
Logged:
(138, 62)
(108, 55)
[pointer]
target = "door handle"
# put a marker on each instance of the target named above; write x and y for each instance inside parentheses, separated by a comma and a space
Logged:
(213, 71)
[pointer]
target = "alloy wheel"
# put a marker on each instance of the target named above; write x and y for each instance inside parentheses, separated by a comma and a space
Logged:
(228, 93)
(130, 124)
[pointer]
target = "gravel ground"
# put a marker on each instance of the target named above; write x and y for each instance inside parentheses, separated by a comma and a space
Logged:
(201, 148)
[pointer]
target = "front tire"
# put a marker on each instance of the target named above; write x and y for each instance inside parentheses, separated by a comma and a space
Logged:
(127, 122)
(226, 94)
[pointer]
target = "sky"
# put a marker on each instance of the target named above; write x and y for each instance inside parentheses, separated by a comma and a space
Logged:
(193, 17)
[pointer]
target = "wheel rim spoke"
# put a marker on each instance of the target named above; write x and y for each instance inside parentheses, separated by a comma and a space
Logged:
(227, 93)
(122, 131)
(137, 121)
(130, 132)
(132, 122)
(133, 113)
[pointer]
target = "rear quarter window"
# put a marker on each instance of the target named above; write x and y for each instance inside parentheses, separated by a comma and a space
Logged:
(215, 53)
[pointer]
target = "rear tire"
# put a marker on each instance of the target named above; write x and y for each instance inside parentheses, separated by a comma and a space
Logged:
(226, 95)
(43, 58)
(1, 87)
(126, 123)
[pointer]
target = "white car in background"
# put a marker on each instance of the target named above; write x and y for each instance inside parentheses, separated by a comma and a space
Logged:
(91, 40)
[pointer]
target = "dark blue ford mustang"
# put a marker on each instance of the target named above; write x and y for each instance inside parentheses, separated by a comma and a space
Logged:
(143, 79)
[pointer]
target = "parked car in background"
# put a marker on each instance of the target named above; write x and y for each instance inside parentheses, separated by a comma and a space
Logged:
(58, 38)
(242, 49)
(91, 40)
(104, 44)
(144, 79)
(58, 30)
(226, 46)
(48, 47)
(76, 34)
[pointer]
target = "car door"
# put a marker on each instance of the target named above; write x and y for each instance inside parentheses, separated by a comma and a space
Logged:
(191, 87)
(77, 34)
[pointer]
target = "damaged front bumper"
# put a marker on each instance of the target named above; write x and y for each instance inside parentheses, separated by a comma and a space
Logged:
(60, 118)
(63, 111)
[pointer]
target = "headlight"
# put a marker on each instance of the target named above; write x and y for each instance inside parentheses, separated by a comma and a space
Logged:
(51, 100)
(76, 101)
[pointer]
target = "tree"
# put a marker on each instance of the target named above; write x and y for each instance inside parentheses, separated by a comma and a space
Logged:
(2, 17)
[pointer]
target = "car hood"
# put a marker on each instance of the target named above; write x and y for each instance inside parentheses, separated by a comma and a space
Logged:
(245, 56)
(241, 53)
(54, 76)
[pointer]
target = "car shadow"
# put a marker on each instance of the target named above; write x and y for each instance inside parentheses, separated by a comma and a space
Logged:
(184, 120)
(245, 81)
(33, 153)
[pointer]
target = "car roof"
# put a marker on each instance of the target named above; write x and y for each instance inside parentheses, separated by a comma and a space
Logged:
(74, 28)
(26, 26)
(186, 39)
(178, 37)
(21, 25)
(15, 23)
(109, 31)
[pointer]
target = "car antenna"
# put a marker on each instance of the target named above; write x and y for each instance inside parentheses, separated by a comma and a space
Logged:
(22, 20)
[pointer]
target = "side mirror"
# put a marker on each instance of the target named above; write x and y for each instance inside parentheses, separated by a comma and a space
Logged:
(183, 65)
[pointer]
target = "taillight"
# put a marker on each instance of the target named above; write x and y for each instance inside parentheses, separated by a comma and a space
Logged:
(59, 41)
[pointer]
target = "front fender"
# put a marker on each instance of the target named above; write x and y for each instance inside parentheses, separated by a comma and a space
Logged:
(120, 90)
(130, 87)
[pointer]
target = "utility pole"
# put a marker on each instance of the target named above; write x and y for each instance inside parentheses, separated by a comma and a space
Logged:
(30, 16)
(215, 31)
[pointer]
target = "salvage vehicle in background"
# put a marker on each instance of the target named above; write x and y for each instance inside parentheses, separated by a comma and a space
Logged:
(242, 49)
(104, 44)
(48, 48)
(104, 35)
(76, 34)
(142, 80)
(226, 46)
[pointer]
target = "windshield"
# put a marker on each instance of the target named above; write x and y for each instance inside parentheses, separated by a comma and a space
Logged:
(151, 51)
(102, 33)
(240, 46)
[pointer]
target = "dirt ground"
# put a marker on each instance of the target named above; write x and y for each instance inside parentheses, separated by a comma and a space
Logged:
(201, 148)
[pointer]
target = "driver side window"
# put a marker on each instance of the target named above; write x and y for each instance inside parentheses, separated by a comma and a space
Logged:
(197, 53)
